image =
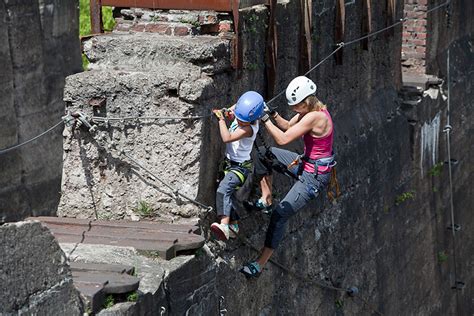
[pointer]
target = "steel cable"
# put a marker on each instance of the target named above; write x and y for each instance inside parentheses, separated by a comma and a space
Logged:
(5, 150)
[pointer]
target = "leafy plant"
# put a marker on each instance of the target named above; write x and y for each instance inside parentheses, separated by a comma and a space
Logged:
(85, 62)
(405, 196)
(132, 297)
(442, 256)
(436, 170)
(339, 303)
(109, 301)
(144, 209)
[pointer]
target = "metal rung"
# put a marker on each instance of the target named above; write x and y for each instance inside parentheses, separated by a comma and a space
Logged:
(456, 227)
(459, 285)
(453, 162)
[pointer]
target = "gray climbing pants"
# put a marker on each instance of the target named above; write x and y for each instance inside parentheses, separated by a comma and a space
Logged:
(306, 188)
(225, 195)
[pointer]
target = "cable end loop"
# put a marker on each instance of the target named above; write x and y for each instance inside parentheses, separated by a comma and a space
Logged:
(352, 291)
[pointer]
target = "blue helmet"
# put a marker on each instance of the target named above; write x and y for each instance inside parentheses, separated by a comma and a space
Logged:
(249, 107)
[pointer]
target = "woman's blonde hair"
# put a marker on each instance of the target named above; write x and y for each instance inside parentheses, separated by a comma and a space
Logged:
(314, 104)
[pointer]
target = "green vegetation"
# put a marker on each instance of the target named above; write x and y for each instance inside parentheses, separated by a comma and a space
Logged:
(405, 196)
(144, 209)
(252, 66)
(85, 18)
(85, 23)
(339, 303)
(194, 23)
(109, 301)
(132, 297)
(436, 170)
(442, 256)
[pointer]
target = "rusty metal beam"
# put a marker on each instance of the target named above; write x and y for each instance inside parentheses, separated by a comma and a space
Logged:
(305, 35)
(366, 22)
(340, 29)
(391, 10)
(217, 5)
(96, 16)
(271, 50)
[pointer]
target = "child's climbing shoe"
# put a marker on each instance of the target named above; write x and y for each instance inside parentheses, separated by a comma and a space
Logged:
(233, 230)
(220, 231)
(251, 270)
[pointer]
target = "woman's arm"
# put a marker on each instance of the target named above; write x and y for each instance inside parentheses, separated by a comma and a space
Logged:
(239, 133)
(298, 129)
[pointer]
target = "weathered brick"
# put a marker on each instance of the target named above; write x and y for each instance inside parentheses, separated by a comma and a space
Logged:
(160, 28)
(225, 26)
(140, 27)
(181, 30)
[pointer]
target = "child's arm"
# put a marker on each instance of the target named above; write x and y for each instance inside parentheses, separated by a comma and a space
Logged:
(239, 133)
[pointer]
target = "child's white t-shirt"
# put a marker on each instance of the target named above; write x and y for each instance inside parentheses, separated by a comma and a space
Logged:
(239, 151)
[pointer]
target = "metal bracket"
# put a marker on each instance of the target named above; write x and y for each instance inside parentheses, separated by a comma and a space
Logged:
(222, 311)
(455, 227)
(459, 285)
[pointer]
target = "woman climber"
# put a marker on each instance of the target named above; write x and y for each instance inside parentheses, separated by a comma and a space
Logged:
(239, 139)
(312, 170)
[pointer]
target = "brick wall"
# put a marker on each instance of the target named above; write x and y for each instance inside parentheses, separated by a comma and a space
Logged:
(414, 35)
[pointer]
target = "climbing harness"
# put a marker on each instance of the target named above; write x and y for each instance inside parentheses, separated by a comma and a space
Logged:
(240, 169)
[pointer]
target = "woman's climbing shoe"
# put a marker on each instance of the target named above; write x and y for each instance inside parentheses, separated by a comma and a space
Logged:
(251, 270)
(220, 231)
(264, 207)
(259, 205)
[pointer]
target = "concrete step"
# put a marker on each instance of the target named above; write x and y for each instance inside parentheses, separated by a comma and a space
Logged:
(149, 51)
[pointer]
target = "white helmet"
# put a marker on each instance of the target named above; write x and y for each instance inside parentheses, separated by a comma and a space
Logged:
(298, 89)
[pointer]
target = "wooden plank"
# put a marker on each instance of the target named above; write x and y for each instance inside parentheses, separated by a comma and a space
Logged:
(93, 292)
(162, 239)
(122, 223)
(104, 267)
(113, 283)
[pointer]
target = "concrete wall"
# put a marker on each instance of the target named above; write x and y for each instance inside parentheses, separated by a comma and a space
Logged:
(34, 274)
(39, 47)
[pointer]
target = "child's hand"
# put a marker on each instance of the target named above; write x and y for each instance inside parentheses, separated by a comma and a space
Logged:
(228, 114)
(218, 113)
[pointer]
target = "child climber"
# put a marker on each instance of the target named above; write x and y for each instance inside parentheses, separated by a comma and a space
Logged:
(239, 139)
